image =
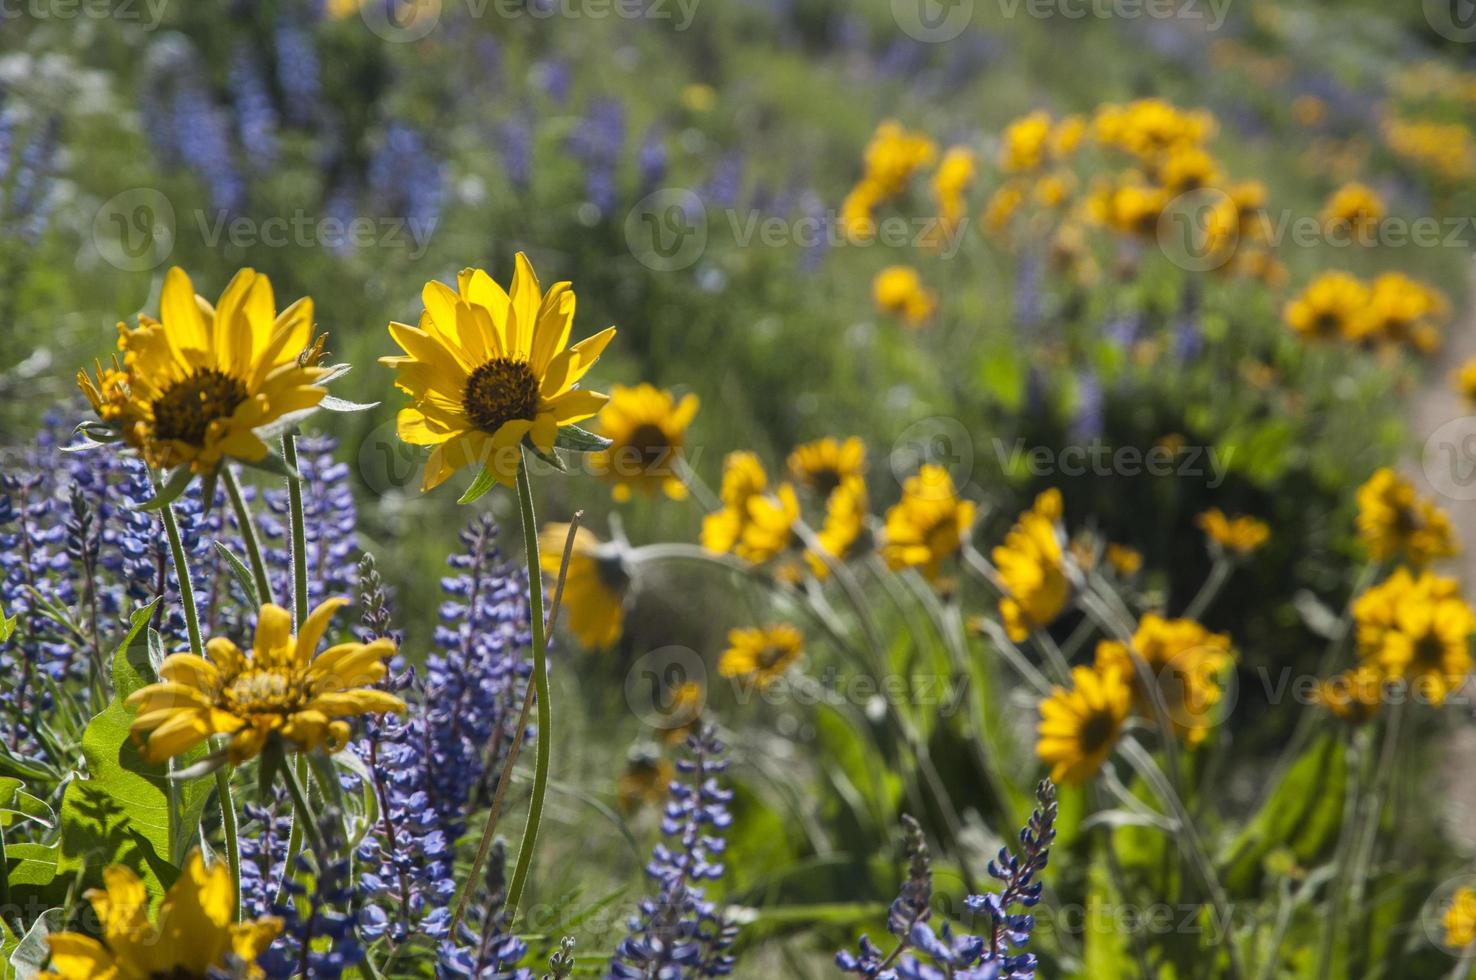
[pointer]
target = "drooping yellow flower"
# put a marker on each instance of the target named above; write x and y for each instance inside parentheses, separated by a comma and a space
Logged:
(1394, 520)
(1031, 569)
(761, 655)
(898, 290)
(1332, 307)
(193, 386)
(743, 479)
(190, 937)
(594, 586)
(1240, 534)
(1355, 695)
(1185, 660)
(1464, 381)
(647, 428)
(1354, 209)
(827, 464)
(1459, 919)
(844, 525)
(1079, 727)
(488, 369)
(928, 525)
(283, 689)
(1417, 628)
(1024, 143)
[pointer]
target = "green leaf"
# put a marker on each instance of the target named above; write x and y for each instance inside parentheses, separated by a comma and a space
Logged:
(577, 440)
(240, 573)
(126, 811)
(551, 458)
(31, 953)
(485, 481)
(178, 482)
(17, 804)
(7, 626)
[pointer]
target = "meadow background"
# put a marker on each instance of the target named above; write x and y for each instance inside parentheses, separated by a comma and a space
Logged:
(686, 168)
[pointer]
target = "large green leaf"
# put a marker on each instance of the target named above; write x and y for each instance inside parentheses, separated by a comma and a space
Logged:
(126, 811)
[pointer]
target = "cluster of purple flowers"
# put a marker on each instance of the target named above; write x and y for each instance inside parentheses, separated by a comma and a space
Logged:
(28, 160)
(318, 911)
(597, 144)
(996, 952)
(678, 932)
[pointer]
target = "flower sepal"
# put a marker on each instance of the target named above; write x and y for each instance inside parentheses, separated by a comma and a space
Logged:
(577, 440)
(175, 484)
(94, 434)
(551, 457)
(204, 767)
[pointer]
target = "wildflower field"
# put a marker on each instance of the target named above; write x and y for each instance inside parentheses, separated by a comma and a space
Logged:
(971, 490)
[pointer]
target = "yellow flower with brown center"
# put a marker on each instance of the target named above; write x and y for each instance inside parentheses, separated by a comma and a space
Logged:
(1031, 570)
(1406, 311)
(1240, 535)
(1354, 209)
(1134, 209)
(1332, 307)
(282, 689)
(190, 938)
(1393, 520)
(1355, 695)
(929, 525)
(1188, 168)
(193, 387)
(761, 655)
(488, 369)
(1079, 727)
(1417, 628)
(1459, 920)
(743, 479)
(769, 530)
(898, 290)
(595, 584)
(1185, 660)
(647, 428)
(827, 464)
(1464, 381)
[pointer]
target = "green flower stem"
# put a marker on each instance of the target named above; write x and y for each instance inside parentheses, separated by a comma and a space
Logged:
(303, 810)
(1210, 590)
(540, 683)
(1365, 844)
(222, 777)
(248, 534)
(299, 533)
(1360, 746)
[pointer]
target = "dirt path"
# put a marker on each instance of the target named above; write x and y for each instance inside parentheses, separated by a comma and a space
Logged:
(1442, 423)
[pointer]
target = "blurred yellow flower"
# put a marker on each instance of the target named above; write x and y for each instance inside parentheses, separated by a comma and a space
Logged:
(1417, 628)
(1187, 168)
(951, 182)
(1150, 128)
(1126, 561)
(1134, 209)
(1031, 569)
(743, 479)
(1459, 919)
(892, 157)
(1239, 534)
(699, 97)
(1464, 380)
(845, 522)
(827, 464)
(487, 369)
(769, 529)
(283, 689)
(1023, 143)
(594, 586)
(1356, 209)
(928, 525)
(1331, 307)
(1393, 520)
(1079, 727)
(1402, 310)
(1446, 149)
(192, 935)
(1067, 135)
(898, 290)
(1185, 660)
(1354, 695)
(645, 781)
(1308, 110)
(647, 428)
(194, 385)
(1002, 205)
(761, 655)
(682, 711)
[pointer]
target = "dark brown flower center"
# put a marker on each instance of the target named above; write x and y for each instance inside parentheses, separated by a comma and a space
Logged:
(185, 411)
(648, 446)
(1096, 732)
(500, 391)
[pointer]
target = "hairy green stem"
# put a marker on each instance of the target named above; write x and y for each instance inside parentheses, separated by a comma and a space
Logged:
(299, 533)
(247, 527)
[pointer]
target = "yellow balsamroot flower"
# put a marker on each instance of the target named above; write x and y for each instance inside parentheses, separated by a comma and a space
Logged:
(1079, 727)
(1464, 381)
(1031, 569)
(645, 781)
(1134, 209)
(1418, 629)
(193, 386)
(1331, 307)
(1394, 520)
(594, 586)
(1002, 206)
(1459, 919)
(761, 655)
(1446, 149)
(283, 689)
(1239, 535)
(769, 530)
(1150, 128)
(951, 182)
(1356, 209)
(894, 155)
(827, 464)
(743, 479)
(1126, 561)
(1054, 189)
(647, 428)
(487, 369)
(845, 523)
(898, 290)
(1024, 143)
(191, 936)
(1067, 136)
(682, 711)
(1188, 168)
(928, 525)
(1402, 310)
(1186, 661)
(1354, 695)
